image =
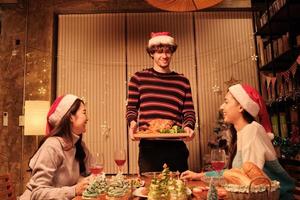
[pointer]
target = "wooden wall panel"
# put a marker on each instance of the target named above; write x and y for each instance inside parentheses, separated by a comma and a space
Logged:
(97, 55)
(91, 64)
(224, 45)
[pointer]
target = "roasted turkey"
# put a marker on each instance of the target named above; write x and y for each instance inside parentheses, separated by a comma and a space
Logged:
(159, 124)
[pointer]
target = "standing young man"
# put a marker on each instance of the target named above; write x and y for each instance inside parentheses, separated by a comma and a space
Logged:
(160, 93)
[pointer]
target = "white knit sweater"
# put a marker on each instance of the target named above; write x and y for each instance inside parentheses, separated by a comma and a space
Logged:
(55, 171)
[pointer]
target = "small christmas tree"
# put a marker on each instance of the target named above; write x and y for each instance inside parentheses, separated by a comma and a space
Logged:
(220, 140)
(165, 175)
(97, 187)
(212, 192)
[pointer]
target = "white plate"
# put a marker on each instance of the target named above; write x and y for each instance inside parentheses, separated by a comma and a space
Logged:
(188, 191)
(138, 192)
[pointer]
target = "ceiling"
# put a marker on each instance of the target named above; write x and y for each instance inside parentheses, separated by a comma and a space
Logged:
(117, 5)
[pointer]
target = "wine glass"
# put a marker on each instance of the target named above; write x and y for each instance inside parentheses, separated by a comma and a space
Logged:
(218, 158)
(97, 163)
(120, 158)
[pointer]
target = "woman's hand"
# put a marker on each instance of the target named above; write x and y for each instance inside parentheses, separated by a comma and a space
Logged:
(81, 186)
(189, 175)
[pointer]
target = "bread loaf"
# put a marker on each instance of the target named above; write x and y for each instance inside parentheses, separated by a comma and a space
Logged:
(245, 175)
(253, 171)
(236, 176)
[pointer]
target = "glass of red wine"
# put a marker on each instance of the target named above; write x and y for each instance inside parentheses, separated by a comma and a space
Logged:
(218, 158)
(120, 159)
(97, 164)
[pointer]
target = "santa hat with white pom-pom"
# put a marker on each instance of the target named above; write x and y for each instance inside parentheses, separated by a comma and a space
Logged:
(253, 103)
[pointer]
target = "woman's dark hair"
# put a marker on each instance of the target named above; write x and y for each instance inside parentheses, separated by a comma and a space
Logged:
(233, 145)
(151, 50)
(63, 130)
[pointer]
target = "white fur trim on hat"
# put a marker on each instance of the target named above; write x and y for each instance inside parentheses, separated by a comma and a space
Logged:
(271, 135)
(62, 108)
(161, 39)
(244, 99)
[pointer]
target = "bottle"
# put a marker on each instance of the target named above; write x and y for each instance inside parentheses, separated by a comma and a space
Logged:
(283, 125)
(282, 105)
(274, 122)
(274, 118)
(294, 118)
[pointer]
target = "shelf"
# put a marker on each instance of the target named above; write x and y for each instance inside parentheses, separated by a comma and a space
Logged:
(286, 161)
(279, 32)
(279, 22)
(283, 61)
(278, 28)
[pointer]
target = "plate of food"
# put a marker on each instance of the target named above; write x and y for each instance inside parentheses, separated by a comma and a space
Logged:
(200, 192)
(150, 174)
(137, 182)
(161, 135)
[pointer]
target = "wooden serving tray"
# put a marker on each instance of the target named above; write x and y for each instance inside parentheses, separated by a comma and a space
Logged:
(161, 135)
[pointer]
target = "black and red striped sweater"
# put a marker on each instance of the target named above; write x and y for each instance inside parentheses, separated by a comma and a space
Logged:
(153, 95)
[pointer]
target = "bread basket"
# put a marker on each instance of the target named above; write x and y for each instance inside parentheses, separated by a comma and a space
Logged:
(255, 192)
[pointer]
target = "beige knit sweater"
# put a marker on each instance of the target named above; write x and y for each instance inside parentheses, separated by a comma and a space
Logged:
(55, 171)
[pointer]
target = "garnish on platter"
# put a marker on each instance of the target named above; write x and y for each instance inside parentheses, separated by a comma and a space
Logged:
(175, 129)
(137, 182)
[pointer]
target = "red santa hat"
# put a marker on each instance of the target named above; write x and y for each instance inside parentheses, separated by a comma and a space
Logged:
(253, 103)
(58, 109)
(163, 38)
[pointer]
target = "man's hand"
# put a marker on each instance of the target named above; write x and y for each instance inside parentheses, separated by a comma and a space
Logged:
(132, 130)
(190, 132)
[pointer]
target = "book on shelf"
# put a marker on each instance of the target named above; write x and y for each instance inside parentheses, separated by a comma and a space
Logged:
(280, 46)
(273, 9)
(274, 122)
(285, 42)
(283, 124)
(298, 40)
(275, 48)
(260, 49)
(269, 53)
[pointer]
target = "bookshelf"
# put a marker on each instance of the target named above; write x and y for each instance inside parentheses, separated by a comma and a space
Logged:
(276, 25)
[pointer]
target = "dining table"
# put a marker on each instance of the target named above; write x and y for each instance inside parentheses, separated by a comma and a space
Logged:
(147, 180)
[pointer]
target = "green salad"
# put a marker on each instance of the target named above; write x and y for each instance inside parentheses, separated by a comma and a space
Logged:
(174, 129)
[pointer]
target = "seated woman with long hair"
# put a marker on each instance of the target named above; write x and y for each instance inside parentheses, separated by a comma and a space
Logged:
(62, 159)
(251, 141)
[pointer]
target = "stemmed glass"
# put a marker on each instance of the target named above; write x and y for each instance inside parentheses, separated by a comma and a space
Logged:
(97, 163)
(218, 158)
(120, 158)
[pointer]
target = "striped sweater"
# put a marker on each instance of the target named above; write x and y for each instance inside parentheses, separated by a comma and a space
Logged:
(153, 95)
